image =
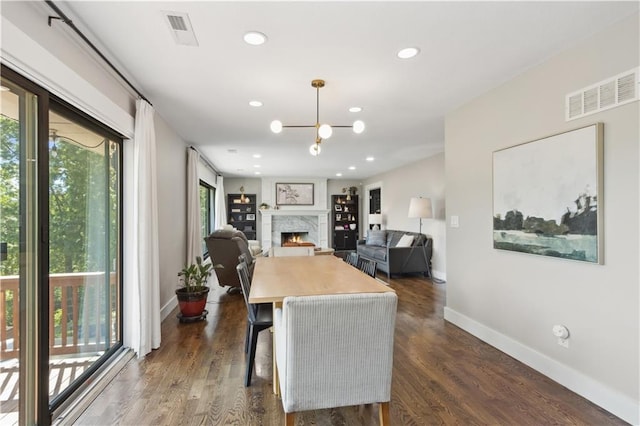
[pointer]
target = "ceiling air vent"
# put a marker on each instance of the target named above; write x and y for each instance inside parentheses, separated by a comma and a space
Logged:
(604, 95)
(180, 27)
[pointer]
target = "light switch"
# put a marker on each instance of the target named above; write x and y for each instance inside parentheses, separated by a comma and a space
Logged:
(455, 222)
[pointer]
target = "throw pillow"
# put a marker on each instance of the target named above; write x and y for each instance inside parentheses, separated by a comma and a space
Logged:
(376, 238)
(405, 241)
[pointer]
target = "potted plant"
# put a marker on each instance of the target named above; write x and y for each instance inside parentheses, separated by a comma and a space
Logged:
(192, 296)
(351, 191)
(264, 206)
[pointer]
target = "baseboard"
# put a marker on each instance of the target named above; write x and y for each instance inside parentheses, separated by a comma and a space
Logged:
(168, 307)
(600, 394)
(439, 275)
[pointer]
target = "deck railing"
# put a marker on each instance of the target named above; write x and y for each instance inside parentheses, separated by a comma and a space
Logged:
(80, 311)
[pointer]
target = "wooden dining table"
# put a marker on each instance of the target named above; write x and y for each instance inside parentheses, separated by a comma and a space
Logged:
(275, 278)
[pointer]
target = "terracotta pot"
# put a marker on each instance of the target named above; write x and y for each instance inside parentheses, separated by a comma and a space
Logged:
(192, 303)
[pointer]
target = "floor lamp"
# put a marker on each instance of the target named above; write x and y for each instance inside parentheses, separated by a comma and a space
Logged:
(421, 208)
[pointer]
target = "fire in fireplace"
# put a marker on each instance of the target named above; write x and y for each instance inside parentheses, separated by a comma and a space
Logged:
(293, 239)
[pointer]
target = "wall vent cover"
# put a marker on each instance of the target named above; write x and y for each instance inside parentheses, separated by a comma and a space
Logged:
(609, 93)
(180, 28)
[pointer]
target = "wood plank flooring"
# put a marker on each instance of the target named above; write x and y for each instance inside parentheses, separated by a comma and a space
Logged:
(442, 375)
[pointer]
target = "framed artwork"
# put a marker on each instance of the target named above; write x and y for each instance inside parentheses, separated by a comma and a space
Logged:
(547, 196)
(251, 216)
(337, 207)
(294, 194)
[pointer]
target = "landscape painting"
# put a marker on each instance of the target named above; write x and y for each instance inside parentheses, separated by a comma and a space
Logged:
(547, 196)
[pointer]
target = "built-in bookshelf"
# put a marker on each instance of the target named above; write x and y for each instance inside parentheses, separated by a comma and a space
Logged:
(344, 220)
(241, 213)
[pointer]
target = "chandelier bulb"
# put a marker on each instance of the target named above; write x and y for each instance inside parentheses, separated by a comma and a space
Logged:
(325, 131)
(358, 126)
(315, 149)
(276, 126)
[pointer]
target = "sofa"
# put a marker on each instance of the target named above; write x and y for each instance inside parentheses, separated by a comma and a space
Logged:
(397, 252)
(225, 245)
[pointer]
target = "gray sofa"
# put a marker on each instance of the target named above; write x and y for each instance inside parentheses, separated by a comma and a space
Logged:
(380, 246)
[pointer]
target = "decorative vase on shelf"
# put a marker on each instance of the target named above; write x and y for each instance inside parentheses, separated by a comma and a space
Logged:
(352, 226)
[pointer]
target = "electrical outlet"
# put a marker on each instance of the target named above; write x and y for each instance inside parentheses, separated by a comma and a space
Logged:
(455, 221)
(563, 342)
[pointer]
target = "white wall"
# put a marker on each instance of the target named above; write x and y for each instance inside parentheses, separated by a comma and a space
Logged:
(172, 209)
(424, 178)
(512, 300)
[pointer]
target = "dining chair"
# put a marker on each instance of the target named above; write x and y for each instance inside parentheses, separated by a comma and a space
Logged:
(352, 259)
(335, 351)
(367, 266)
(259, 317)
(292, 251)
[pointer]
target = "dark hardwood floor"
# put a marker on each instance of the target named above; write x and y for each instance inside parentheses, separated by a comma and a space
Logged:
(442, 375)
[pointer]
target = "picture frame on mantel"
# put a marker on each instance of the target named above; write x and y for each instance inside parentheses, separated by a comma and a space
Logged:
(294, 194)
(547, 196)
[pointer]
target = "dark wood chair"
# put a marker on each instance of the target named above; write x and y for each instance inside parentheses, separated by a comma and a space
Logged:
(259, 317)
(367, 266)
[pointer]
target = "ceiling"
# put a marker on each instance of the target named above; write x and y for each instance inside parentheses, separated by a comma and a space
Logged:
(203, 92)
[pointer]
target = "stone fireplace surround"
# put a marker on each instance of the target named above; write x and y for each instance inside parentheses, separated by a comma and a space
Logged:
(315, 222)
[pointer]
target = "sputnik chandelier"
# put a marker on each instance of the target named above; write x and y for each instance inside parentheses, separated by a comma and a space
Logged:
(323, 131)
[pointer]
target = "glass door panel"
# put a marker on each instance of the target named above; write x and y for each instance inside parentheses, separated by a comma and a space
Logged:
(18, 253)
(84, 220)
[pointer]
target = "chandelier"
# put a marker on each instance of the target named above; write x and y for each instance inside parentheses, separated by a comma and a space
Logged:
(323, 131)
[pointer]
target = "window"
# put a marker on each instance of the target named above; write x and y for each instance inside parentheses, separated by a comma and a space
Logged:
(207, 211)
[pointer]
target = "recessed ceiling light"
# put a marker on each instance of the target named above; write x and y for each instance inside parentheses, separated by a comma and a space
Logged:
(352, 167)
(256, 173)
(408, 52)
(257, 166)
(338, 174)
(255, 103)
(370, 158)
(257, 155)
(355, 109)
(255, 38)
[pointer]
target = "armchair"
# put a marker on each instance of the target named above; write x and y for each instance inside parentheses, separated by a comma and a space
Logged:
(225, 245)
(335, 351)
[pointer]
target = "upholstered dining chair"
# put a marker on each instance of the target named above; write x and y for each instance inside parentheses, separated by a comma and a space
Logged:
(259, 317)
(367, 266)
(292, 251)
(335, 351)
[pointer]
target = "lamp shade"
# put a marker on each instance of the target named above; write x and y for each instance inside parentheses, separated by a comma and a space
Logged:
(375, 219)
(420, 207)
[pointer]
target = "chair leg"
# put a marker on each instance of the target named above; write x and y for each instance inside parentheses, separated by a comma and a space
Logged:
(252, 354)
(246, 337)
(289, 419)
(383, 410)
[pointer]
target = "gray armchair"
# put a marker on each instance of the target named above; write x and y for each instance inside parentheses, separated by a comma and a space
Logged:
(225, 245)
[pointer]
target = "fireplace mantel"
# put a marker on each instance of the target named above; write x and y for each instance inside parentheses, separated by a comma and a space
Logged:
(292, 212)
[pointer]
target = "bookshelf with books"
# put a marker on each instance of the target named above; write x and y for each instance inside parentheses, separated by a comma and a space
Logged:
(241, 213)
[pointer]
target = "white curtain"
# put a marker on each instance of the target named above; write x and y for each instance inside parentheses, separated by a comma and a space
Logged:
(221, 206)
(142, 310)
(194, 225)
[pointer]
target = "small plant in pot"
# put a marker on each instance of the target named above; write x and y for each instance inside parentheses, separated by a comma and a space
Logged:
(192, 296)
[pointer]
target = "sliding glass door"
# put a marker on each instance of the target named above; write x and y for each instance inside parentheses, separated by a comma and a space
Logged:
(60, 250)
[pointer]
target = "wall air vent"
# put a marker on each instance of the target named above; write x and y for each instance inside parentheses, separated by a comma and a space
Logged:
(609, 93)
(180, 28)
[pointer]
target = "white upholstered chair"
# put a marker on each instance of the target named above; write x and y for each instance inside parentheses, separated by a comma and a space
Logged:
(335, 351)
(292, 251)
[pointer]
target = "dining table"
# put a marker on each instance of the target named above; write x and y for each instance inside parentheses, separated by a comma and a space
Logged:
(275, 278)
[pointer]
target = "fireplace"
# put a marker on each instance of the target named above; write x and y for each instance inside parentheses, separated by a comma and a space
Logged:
(295, 239)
